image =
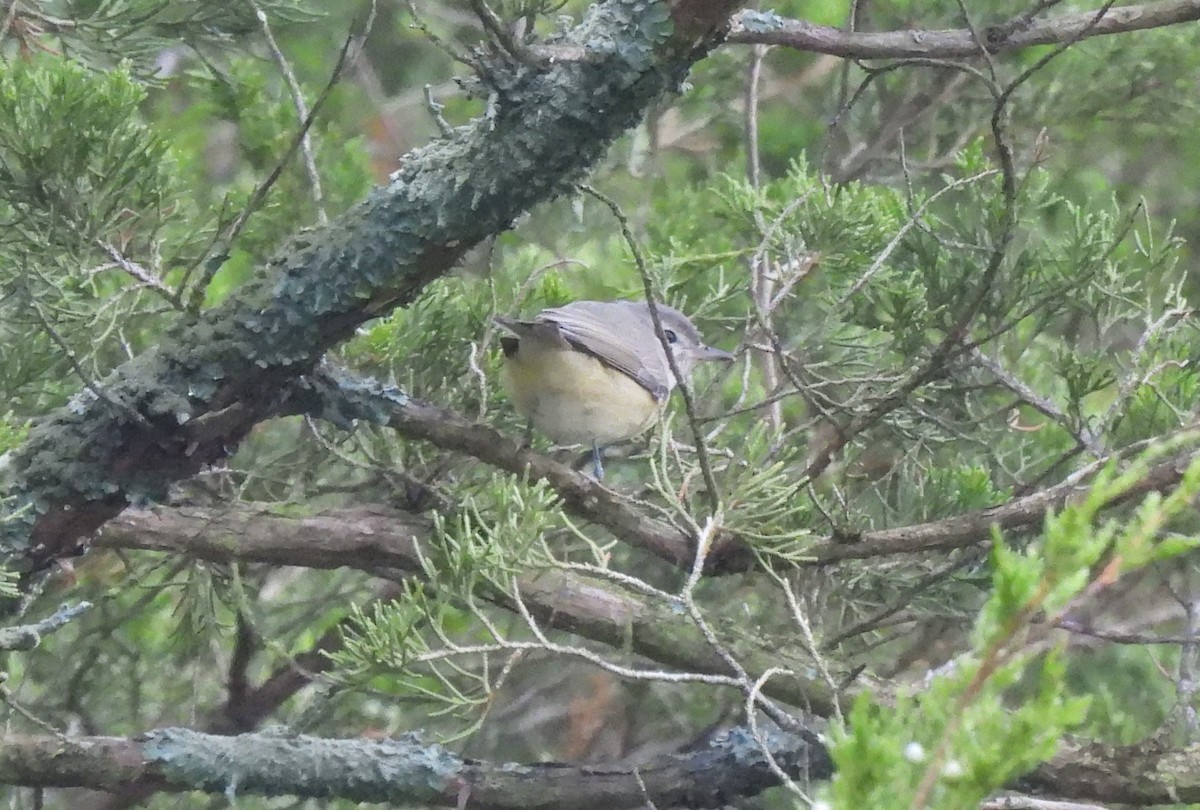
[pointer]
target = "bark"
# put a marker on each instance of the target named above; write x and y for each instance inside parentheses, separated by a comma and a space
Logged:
(757, 28)
(404, 771)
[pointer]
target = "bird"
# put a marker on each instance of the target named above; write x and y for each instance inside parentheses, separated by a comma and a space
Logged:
(594, 372)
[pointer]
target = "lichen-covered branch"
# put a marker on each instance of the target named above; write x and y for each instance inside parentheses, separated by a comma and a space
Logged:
(188, 402)
(404, 771)
(237, 714)
(28, 636)
(757, 28)
(1142, 774)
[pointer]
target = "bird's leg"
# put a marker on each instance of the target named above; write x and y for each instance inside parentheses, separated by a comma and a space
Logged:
(528, 443)
(597, 467)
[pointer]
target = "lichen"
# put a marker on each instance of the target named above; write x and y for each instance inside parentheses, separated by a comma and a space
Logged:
(275, 764)
(760, 22)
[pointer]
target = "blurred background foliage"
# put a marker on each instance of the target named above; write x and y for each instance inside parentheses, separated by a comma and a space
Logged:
(134, 133)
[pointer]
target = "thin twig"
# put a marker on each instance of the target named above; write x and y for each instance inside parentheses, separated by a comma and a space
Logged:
(710, 481)
(350, 50)
(913, 221)
(876, 619)
(92, 385)
(496, 27)
(1117, 637)
(9, 16)
(146, 277)
(435, 111)
(753, 77)
(754, 695)
(1083, 435)
(458, 56)
(310, 161)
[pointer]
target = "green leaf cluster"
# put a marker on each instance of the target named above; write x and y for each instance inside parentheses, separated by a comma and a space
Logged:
(1002, 708)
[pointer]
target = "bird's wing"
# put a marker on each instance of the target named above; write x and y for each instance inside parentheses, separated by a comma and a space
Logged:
(589, 327)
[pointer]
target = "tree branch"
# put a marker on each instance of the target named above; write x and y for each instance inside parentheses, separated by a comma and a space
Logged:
(383, 542)
(324, 396)
(976, 527)
(28, 636)
(344, 399)
(1143, 774)
(367, 538)
(403, 771)
(758, 28)
(241, 713)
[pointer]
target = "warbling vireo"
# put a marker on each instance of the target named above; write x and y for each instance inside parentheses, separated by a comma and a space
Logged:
(594, 372)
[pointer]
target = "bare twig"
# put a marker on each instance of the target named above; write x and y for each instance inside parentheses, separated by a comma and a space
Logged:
(496, 27)
(753, 77)
(435, 111)
(1118, 637)
(146, 277)
(310, 161)
(750, 28)
(350, 49)
(1082, 435)
(1032, 803)
(710, 481)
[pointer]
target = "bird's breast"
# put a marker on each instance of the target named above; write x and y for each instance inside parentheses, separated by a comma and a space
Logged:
(574, 398)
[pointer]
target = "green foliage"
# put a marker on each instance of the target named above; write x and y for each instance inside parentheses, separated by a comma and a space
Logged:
(949, 488)
(82, 182)
(951, 748)
(764, 507)
(70, 144)
(490, 541)
(419, 645)
(881, 383)
(106, 33)
(1129, 698)
(971, 730)
(12, 431)
(441, 328)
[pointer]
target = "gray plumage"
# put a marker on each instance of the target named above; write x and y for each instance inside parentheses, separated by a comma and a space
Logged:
(595, 372)
(620, 334)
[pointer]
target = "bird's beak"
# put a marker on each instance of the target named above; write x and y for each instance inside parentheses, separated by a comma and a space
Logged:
(710, 353)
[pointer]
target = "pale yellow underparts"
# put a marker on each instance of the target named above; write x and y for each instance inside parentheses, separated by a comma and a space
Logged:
(574, 398)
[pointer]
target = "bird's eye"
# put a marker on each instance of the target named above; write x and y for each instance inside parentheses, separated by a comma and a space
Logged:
(671, 336)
